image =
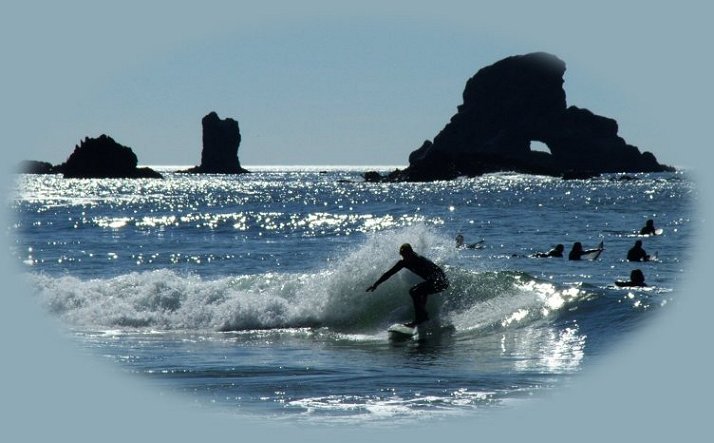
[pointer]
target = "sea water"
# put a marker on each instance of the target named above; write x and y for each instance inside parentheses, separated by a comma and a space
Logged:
(246, 293)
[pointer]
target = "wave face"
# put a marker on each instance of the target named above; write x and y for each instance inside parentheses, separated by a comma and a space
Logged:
(333, 297)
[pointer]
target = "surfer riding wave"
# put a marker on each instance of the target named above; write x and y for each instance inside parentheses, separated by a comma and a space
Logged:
(434, 280)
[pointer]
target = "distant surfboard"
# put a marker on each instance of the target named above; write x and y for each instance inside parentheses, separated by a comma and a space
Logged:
(658, 231)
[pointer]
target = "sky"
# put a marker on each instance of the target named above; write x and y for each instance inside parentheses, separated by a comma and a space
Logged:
(318, 82)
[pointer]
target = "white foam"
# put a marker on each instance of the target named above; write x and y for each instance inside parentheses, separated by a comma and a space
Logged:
(334, 296)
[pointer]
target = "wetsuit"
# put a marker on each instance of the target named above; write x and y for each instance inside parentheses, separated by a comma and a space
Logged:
(637, 254)
(551, 253)
(434, 281)
(648, 230)
(576, 254)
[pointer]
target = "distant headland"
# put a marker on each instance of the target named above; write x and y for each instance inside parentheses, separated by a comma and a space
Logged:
(505, 107)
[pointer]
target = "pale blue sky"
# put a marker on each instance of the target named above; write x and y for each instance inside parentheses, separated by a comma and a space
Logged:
(135, 70)
(318, 83)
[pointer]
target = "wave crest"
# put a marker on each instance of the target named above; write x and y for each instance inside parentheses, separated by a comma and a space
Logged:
(332, 297)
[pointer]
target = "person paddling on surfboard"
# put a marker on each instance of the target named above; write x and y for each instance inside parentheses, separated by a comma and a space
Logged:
(577, 252)
(637, 253)
(637, 278)
(460, 243)
(434, 280)
(555, 252)
(649, 228)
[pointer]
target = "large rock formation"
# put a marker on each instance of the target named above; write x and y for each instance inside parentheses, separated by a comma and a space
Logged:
(221, 139)
(506, 106)
(102, 157)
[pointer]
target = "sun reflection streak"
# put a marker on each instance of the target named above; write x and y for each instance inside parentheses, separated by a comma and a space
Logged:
(556, 351)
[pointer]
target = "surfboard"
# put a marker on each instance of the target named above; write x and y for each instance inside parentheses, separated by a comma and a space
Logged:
(400, 330)
(594, 255)
(600, 246)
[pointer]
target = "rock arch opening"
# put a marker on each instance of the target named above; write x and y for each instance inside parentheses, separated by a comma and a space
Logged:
(537, 146)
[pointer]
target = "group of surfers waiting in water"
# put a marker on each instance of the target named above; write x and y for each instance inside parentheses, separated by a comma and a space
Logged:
(635, 254)
(435, 280)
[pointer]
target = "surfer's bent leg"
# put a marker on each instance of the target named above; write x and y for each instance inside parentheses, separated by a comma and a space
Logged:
(419, 294)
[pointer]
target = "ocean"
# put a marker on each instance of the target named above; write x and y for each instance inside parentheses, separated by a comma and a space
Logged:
(246, 294)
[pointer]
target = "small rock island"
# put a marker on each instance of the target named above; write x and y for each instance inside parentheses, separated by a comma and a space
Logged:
(99, 157)
(102, 157)
(221, 139)
(505, 107)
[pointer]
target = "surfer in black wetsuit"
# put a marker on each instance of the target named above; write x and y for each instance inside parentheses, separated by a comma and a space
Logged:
(637, 278)
(577, 252)
(637, 253)
(555, 252)
(649, 228)
(434, 280)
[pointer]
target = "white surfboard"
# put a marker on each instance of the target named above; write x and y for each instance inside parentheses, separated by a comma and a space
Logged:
(401, 330)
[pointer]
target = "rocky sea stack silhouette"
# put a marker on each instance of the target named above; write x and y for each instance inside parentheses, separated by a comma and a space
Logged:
(221, 139)
(102, 157)
(505, 107)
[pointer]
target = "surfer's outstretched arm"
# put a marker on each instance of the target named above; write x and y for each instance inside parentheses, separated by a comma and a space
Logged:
(386, 275)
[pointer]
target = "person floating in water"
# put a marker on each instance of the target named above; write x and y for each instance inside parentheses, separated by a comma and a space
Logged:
(434, 280)
(637, 278)
(577, 252)
(649, 228)
(636, 253)
(555, 252)
(460, 243)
